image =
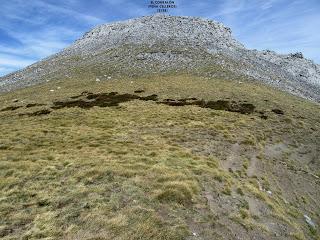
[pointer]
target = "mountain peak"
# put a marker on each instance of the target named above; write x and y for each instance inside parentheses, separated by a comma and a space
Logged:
(184, 31)
(162, 44)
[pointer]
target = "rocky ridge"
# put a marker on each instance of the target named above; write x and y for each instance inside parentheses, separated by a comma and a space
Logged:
(165, 44)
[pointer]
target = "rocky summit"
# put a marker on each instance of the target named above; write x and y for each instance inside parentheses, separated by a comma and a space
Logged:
(163, 44)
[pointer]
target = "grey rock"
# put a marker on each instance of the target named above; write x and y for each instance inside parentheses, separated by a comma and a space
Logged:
(309, 221)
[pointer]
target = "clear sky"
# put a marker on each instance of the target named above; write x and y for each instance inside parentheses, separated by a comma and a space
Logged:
(34, 29)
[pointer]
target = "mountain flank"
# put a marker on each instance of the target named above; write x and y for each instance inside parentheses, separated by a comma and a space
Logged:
(161, 44)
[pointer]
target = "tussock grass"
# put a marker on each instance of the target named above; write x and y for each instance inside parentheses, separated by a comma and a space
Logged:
(140, 170)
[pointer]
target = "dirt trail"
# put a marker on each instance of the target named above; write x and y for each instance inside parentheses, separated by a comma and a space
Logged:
(233, 160)
(252, 169)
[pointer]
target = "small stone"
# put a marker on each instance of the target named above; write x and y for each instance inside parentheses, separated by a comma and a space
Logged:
(86, 205)
(109, 77)
(51, 90)
(97, 80)
(269, 192)
(260, 187)
(58, 87)
(194, 234)
(309, 221)
(15, 100)
(3, 147)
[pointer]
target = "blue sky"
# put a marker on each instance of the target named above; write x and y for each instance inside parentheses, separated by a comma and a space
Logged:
(32, 30)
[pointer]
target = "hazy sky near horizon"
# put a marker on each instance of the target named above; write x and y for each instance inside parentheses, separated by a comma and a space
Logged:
(32, 30)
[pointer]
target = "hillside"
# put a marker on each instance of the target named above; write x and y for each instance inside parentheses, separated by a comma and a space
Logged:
(165, 141)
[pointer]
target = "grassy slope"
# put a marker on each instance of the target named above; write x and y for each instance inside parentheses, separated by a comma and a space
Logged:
(150, 171)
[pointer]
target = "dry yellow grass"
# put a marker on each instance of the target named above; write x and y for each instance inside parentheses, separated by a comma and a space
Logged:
(144, 170)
